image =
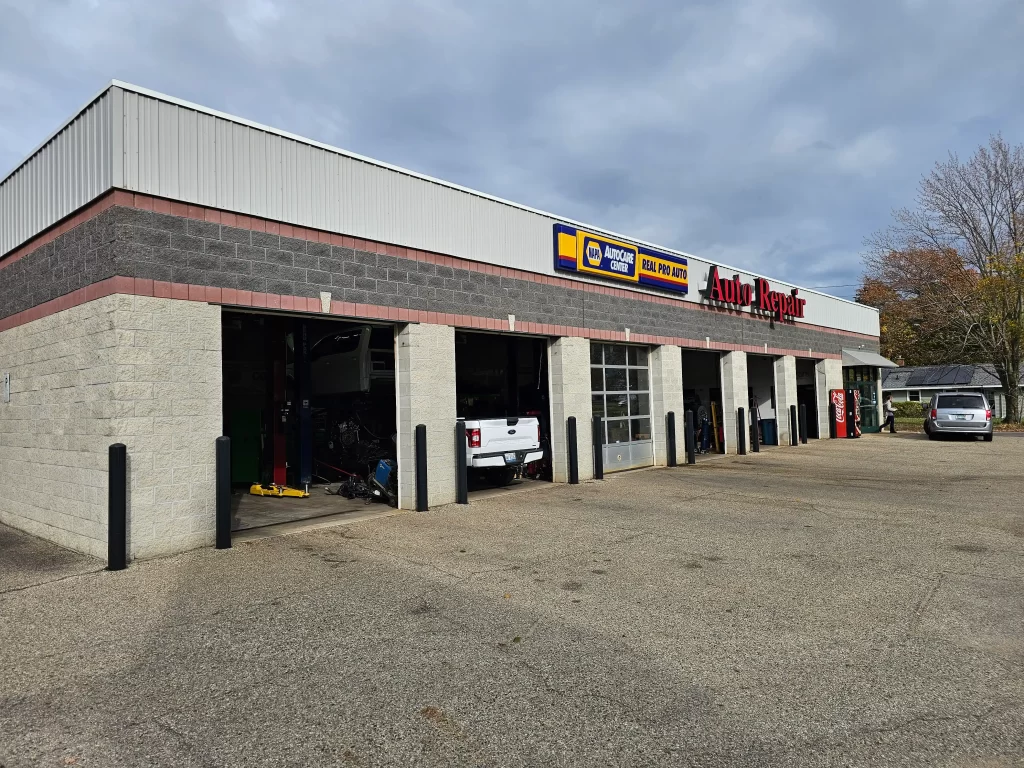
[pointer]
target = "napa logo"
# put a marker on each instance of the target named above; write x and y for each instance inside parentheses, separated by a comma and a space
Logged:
(593, 254)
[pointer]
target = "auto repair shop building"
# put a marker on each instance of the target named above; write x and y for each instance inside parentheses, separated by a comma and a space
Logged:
(169, 274)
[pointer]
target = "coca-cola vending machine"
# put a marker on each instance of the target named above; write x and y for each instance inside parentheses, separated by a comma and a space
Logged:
(837, 414)
(844, 418)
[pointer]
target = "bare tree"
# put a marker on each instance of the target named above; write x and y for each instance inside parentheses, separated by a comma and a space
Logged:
(959, 255)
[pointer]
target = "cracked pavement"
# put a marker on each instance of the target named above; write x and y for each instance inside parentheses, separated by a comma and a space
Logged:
(843, 603)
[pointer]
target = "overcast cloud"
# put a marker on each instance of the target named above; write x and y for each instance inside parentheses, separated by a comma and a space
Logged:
(767, 134)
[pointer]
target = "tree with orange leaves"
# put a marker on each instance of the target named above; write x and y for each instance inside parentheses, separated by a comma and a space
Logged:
(950, 272)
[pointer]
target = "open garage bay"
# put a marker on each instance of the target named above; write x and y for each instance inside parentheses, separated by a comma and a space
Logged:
(840, 603)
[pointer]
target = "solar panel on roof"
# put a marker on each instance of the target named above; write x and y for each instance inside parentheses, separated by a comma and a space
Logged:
(947, 375)
(917, 379)
(965, 374)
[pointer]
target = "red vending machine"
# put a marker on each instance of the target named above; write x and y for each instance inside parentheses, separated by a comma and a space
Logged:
(837, 416)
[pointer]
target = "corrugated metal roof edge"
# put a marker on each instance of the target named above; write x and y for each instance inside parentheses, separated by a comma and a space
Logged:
(381, 164)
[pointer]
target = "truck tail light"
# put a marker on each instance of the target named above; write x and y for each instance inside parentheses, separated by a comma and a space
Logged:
(538, 433)
(988, 415)
(935, 413)
(473, 435)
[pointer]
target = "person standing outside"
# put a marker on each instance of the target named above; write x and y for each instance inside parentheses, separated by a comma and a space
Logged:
(890, 415)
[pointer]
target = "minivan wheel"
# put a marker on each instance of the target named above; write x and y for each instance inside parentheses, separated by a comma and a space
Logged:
(988, 438)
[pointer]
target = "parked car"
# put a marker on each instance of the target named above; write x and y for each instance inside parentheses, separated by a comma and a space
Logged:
(958, 413)
(501, 448)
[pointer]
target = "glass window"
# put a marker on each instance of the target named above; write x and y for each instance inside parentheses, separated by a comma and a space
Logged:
(638, 380)
(620, 391)
(618, 431)
(914, 396)
(615, 379)
(639, 405)
(616, 406)
(640, 429)
(614, 354)
(976, 402)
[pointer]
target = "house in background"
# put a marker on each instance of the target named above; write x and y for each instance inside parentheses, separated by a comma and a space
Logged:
(919, 383)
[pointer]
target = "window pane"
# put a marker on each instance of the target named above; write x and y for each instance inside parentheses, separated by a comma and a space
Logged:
(638, 380)
(596, 380)
(618, 431)
(595, 353)
(616, 405)
(614, 354)
(598, 404)
(961, 401)
(641, 356)
(640, 429)
(639, 405)
(631, 351)
(615, 379)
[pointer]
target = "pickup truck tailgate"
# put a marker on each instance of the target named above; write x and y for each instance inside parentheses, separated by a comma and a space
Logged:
(499, 435)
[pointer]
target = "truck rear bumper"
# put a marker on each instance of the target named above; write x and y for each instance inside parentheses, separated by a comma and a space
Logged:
(498, 459)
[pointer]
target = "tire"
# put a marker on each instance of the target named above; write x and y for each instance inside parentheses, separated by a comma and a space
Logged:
(988, 438)
(931, 435)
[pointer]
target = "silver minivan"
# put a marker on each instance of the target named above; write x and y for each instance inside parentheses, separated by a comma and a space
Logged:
(958, 413)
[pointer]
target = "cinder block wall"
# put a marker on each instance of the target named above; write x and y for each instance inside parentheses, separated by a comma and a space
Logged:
(667, 395)
(570, 396)
(55, 431)
(170, 375)
(425, 370)
(137, 370)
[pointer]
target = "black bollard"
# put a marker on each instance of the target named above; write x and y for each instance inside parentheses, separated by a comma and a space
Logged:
(755, 436)
(803, 423)
(741, 432)
(690, 438)
(117, 508)
(223, 491)
(461, 471)
(421, 468)
(574, 453)
(598, 435)
(794, 438)
(670, 435)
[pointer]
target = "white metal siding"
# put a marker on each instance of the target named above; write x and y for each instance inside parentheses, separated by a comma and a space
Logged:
(68, 171)
(180, 151)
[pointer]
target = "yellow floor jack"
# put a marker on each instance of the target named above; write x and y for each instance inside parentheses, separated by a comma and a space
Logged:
(277, 490)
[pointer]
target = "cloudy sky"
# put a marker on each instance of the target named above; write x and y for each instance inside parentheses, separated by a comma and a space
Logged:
(768, 134)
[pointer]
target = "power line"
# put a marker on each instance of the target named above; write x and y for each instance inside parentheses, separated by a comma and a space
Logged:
(844, 285)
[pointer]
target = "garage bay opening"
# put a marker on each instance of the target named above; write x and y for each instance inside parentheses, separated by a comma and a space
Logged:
(501, 385)
(702, 395)
(807, 393)
(761, 396)
(309, 405)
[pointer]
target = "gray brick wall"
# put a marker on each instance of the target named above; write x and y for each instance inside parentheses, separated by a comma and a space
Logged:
(136, 243)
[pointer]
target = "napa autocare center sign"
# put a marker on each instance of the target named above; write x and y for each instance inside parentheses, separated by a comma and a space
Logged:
(577, 250)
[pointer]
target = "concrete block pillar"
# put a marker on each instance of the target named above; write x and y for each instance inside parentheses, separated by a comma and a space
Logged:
(785, 394)
(425, 384)
(569, 385)
(734, 395)
(666, 395)
(828, 375)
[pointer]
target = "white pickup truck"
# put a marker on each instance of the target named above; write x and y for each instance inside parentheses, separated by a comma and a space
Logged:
(502, 448)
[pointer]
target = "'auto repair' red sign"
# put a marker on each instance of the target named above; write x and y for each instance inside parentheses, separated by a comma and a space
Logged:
(734, 292)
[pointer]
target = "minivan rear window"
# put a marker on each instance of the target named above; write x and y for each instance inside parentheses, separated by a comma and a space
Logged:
(977, 402)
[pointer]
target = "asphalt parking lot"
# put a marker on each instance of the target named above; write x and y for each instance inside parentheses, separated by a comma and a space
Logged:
(841, 603)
